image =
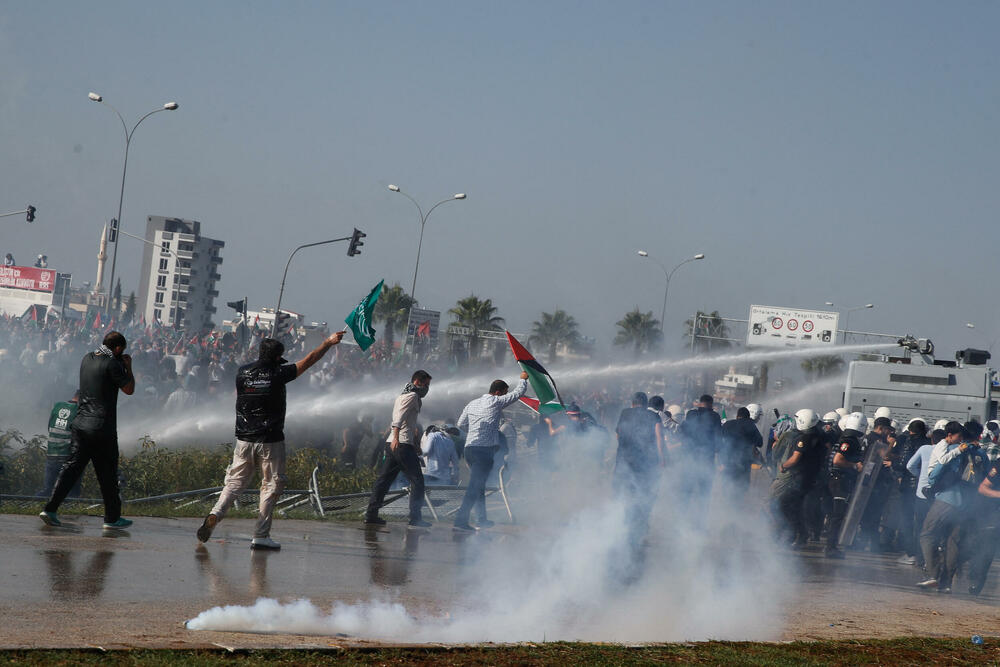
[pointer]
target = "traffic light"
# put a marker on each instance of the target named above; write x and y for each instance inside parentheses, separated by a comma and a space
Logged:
(30, 217)
(113, 231)
(355, 246)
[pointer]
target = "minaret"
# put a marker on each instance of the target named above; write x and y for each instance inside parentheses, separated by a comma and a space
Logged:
(102, 255)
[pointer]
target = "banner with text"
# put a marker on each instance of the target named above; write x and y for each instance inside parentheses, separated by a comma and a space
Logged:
(28, 277)
(772, 326)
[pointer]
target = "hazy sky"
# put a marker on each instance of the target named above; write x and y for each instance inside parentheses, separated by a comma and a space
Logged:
(838, 151)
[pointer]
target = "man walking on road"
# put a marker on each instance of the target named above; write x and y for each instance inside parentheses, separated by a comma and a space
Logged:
(260, 437)
(481, 420)
(95, 429)
(403, 454)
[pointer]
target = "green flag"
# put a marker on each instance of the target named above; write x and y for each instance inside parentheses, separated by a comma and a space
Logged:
(360, 319)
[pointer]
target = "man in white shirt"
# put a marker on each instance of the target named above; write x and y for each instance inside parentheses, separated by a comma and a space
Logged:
(481, 420)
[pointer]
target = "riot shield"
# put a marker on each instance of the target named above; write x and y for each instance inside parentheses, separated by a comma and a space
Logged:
(862, 492)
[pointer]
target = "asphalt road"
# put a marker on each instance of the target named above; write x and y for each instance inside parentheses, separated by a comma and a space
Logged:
(81, 586)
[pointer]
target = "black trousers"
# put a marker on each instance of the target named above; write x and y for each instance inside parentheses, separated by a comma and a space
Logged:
(841, 486)
(404, 460)
(101, 448)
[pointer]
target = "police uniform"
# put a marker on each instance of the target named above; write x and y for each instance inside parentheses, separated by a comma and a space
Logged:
(791, 486)
(841, 483)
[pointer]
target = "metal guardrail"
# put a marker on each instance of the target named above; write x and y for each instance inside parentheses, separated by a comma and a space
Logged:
(440, 500)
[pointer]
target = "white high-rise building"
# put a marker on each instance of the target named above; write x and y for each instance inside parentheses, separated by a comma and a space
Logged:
(177, 287)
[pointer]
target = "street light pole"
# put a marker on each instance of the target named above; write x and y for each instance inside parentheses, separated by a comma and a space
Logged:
(668, 276)
(169, 106)
(423, 221)
(847, 317)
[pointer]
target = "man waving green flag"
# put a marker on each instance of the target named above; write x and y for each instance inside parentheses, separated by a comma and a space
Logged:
(360, 319)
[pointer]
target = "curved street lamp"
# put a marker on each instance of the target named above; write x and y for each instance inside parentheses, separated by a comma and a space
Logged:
(666, 289)
(423, 221)
(169, 106)
(847, 316)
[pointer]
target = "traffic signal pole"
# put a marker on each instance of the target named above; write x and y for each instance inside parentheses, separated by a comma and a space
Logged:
(29, 213)
(281, 292)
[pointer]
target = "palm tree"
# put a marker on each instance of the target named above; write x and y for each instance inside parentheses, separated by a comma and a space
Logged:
(553, 329)
(477, 314)
(393, 308)
(640, 330)
(820, 367)
(711, 325)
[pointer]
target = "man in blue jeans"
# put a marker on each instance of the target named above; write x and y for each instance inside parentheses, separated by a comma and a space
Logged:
(481, 420)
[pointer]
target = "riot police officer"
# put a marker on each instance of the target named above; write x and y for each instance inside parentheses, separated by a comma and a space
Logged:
(844, 469)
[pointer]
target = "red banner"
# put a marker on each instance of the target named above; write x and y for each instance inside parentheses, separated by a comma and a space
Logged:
(28, 277)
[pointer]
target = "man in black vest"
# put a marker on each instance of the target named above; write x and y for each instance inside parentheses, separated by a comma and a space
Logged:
(260, 438)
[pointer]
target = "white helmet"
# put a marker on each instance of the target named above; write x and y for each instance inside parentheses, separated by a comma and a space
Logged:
(677, 412)
(940, 424)
(914, 421)
(805, 419)
(894, 425)
(856, 421)
(842, 412)
(755, 411)
(842, 423)
(883, 412)
(831, 418)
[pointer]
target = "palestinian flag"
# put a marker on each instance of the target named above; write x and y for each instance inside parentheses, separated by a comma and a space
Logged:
(548, 399)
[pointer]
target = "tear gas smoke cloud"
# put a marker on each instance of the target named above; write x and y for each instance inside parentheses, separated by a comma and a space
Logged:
(570, 574)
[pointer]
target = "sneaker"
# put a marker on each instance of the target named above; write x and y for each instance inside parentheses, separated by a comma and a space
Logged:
(121, 522)
(930, 583)
(374, 521)
(50, 519)
(906, 560)
(420, 523)
(463, 527)
(946, 590)
(207, 526)
(485, 523)
(975, 589)
(264, 543)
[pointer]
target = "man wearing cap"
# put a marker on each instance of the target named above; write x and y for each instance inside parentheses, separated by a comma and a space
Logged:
(260, 437)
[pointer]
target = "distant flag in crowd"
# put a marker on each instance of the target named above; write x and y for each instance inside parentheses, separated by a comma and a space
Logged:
(424, 330)
(548, 399)
(360, 319)
(97, 320)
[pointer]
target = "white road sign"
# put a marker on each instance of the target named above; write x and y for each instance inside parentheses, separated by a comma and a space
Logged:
(772, 326)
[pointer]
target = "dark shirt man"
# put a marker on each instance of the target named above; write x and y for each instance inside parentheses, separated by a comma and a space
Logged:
(639, 458)
(260, 436)
(700, 434)
(740, 438)
(95, 429)
(353, 436)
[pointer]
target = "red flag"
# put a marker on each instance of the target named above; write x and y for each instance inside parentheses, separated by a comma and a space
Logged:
(97, 321)
(34, 313)
(424, 330)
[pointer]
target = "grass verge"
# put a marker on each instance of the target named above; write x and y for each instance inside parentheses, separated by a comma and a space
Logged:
(908, 651)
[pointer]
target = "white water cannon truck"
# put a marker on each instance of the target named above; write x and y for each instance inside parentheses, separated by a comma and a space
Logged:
(916, 385)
